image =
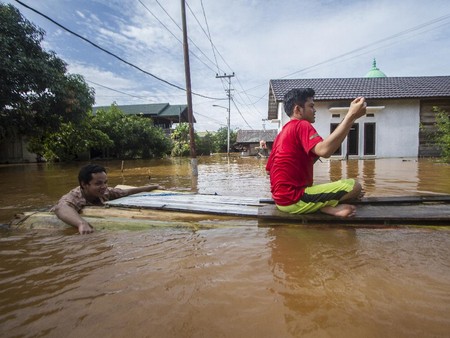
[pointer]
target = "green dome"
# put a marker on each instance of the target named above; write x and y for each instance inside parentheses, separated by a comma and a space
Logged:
(375, 72)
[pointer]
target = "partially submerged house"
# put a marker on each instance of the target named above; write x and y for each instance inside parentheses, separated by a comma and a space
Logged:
(248, 141)
(163, 115)
(399, 115)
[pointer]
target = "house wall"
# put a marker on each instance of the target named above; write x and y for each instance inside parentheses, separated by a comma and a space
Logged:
(396, 132)
(15, 151)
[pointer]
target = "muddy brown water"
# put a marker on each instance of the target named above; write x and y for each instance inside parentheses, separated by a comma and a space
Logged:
(237, 280)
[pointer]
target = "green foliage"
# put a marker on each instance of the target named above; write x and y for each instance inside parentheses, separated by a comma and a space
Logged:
(180, 140)
(110, 132)
(70, 140)
(36, 94)
(221, 140)
(442, 136)
(131, 136)
(204, 144)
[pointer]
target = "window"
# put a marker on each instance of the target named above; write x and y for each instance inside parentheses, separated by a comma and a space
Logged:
(333, 126)
(369, 138)
(353, 140)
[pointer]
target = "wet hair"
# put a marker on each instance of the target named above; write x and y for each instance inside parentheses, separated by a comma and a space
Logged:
(85, 174)
(296, 96)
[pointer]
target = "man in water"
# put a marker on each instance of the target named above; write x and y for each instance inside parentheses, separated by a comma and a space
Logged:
(294, 152)
(93, 190)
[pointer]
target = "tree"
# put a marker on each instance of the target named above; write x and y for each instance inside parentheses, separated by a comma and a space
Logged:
(221, 140)
(131, 136)
(36, 94)
(69, 141)
(205, 144)
(180, 140)
(442, 136)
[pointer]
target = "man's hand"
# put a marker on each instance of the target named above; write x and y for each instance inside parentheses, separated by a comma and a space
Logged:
(357, 108)
(85, 228)
(70, 216)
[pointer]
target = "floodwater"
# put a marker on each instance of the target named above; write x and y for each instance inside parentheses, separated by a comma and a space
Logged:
(239, 279)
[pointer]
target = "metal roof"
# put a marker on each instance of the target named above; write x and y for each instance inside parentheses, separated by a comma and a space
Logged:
(254, 136)
(136, 109)
(175, 113)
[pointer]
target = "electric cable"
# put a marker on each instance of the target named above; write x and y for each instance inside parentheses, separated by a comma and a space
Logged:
(112, 54)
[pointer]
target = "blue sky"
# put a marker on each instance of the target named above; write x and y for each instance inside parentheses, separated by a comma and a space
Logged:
(257, 40)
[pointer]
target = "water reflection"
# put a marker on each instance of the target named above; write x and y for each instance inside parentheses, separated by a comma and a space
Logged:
(362, 283)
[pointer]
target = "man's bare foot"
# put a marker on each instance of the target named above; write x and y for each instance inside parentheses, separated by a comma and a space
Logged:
(341, 210)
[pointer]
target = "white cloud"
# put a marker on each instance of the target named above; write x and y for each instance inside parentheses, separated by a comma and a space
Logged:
(258, 40)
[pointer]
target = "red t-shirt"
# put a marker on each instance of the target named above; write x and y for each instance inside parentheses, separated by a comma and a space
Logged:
(291, 161)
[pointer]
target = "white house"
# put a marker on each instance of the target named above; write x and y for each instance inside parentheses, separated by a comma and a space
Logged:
(399, 112)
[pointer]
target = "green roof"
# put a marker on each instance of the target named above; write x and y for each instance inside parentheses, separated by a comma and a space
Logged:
(375, 71)
(153, 109)
(165, 111)
(174, 110)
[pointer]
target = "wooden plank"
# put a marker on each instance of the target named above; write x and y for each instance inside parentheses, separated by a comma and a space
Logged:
(221, 205)
(384, 214)
(185, 198)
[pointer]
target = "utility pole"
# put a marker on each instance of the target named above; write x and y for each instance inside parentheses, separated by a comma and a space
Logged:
(229, 105)
(187, 71)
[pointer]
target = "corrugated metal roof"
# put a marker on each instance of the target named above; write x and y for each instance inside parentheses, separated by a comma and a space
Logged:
(135, 109)
(174, 110)
(254, 136)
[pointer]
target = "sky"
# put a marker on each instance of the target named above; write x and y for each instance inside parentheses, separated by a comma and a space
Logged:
(257, 40)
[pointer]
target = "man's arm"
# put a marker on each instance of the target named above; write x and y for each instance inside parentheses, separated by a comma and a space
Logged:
(330, 144)
(145, 188)
(70, 216)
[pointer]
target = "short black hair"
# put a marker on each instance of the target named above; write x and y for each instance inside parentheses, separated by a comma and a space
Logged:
(296, 96)
(85, 174)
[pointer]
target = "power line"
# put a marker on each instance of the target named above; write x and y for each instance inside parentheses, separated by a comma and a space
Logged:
(112, 54)
(208, 35)
(118, 91)
(407, 31)
(167, 28)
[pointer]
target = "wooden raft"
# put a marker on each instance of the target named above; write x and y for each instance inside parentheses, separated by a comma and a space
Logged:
(426, 210)
(162, 208)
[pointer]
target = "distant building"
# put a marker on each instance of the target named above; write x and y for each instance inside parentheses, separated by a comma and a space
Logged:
(399, 111)
(248, 142)
(163, 115)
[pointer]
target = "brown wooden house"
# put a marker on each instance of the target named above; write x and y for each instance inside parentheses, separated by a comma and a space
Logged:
(248, 141)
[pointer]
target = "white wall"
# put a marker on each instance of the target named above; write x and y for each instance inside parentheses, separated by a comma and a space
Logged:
(397, 127)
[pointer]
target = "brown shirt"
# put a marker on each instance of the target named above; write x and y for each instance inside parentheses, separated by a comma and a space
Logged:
(75, 198)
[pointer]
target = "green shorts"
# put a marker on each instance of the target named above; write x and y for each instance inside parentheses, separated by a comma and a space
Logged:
(319, 196)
